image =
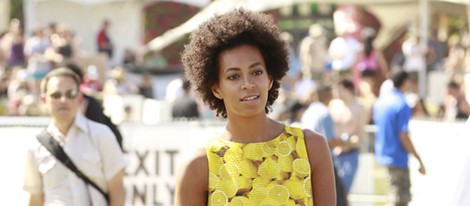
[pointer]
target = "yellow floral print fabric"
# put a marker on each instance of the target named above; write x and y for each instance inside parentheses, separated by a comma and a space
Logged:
(276, 172)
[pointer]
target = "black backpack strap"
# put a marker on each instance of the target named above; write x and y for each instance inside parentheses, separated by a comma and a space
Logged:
(55, 149)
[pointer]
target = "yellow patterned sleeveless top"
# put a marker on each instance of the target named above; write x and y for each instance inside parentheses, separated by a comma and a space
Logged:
(275, 172)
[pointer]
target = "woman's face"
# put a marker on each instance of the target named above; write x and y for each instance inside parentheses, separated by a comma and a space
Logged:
(243, 81)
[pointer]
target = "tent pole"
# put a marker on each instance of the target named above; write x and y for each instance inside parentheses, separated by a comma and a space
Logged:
(424, 28)
(29, 15)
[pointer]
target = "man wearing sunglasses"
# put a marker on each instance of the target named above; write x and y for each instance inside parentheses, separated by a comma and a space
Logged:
(91, 146)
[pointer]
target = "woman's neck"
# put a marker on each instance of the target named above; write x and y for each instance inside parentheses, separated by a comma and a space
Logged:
(252, 129)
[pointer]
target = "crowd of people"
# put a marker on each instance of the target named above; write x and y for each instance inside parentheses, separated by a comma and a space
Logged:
(359, 61)
(25, 61)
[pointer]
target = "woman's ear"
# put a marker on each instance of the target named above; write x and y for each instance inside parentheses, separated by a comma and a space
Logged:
(271, 81)
(216, 92)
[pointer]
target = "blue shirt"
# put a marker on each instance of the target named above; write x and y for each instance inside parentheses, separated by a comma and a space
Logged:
(391, 115)
(317, 118)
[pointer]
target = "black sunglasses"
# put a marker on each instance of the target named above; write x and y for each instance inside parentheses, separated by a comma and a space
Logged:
(70, 94)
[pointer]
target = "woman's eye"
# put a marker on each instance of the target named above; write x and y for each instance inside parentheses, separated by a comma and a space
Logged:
(258, 72)
(231, 77)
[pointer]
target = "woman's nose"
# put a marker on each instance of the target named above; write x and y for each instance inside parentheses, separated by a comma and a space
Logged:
(247, 84)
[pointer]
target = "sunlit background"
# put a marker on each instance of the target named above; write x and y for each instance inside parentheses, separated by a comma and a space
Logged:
(148, 38)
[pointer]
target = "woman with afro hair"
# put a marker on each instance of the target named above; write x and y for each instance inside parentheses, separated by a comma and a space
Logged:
(235, 62)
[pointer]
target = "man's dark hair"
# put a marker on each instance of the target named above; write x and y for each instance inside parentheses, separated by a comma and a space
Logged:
(453, 84)
(324, 93)
(399, 78)
(346, 83)
(222, 32)
(75, 68)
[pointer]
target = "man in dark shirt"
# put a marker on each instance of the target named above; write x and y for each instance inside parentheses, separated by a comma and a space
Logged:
(185, 106)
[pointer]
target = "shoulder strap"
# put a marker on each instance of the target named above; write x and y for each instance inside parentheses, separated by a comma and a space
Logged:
(55, 149)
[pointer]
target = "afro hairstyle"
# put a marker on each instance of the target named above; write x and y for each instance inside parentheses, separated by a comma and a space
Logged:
(227, 31)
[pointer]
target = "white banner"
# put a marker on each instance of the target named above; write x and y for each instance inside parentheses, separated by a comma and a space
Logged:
(155, 153)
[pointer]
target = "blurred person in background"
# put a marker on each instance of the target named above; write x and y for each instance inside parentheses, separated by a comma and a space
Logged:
(12, 45)
(65, 44)
(38, 62)
(302, 86)
(5, 79)
(414, 60)
(392, 142)
(455, 61)
(456, 106)
(185, 106)
(366, 94)
(91, 83)
(372, 64)
(146, 86)
(156, 61)
(2, 55)
(129, 61)
(344, 51)
(317, 117)
(52, 28)
(18, 89)
(420, 109)
(91, 146)
(292, 112)
(103, 41)
(349, 118)
(118, 83)
(313, 53)
(4, 84)
(289, 80)
(437, 51)
(235, 62)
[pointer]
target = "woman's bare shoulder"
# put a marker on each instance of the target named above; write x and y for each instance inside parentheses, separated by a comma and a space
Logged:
(192, 180)
(317, 145)
(197, 162)
(313, 138)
